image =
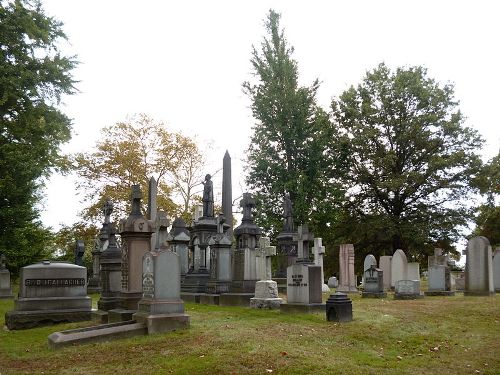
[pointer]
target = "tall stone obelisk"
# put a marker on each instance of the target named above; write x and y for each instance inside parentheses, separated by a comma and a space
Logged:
(227, 194)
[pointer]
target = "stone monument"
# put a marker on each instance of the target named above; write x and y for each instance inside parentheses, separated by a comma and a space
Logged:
(266, 290)
(339, 308)
(413, 271)
(373, 283)
(79, 252)
(347, 279)
(333, 282)
(135, 232)
(439, 276)
(5, 286)
(318, 252)
(111, 274)
(399, 267)
(50, 293)
(496, 270)
(152, 212)
(368, 262)
(385, 266)
(287, 247)
(304, 292)
(178, 240)
(221, 254)
(244, 261)
(478, 268)
(227, 194)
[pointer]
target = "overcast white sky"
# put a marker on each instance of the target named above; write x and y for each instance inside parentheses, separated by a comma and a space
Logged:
(183, 62)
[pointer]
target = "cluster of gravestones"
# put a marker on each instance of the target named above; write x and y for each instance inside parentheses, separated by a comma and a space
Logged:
(144, 282)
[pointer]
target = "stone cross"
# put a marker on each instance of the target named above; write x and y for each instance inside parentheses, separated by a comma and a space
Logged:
(264, 254)
(107, 210)
(248, 203)
(3, 262)
(220, 224)
(303, 237)
(162, 224)
(319, 251)
(136, 197)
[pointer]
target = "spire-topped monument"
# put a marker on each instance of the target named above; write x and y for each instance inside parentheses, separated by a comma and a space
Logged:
(227, 194)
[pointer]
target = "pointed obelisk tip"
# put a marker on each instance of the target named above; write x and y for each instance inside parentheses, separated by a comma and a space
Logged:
(226, 155)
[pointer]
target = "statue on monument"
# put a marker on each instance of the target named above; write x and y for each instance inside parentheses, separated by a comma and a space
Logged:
(107, 209)
(287, 214)
(208, 197)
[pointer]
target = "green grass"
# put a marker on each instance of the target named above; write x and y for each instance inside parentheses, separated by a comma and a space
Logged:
(447, 335)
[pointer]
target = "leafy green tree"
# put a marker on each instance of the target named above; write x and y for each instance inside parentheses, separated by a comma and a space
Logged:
(290, 149)
(130, 152)
(33, 77)
(488, 214)
(411, 159)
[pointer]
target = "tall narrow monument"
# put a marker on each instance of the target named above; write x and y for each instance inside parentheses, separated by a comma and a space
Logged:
(227, 194)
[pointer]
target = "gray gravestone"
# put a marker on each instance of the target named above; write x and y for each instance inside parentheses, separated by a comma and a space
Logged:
(407, 289)
(178, 241)
(373, 283)
(399, 267)
(161, 307)
(5, 287)
(333, 282)
(413, 271)
(79, 252)
(479, 268)
(50, 293)
(496, 270)
(369, 261)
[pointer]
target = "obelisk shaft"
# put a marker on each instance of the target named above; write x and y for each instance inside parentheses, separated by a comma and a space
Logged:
(227, 194)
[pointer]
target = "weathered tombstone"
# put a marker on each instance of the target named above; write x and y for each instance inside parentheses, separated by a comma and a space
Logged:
(50, 293)
(368, 262)
(478, 268)
(333, 282)
(496, 270)
(373, 283)
(5, 287)
(266, 290)
(385, 266)
(161, 307)
(438, 259)
(407, 289)
(347, 280)
(399, 267)
(303, 279)
(460, 281)
(440, 282)
(178, 240)
(318, 252)
(135, 232)
(413, 271)
(79, 252)
(339, 308)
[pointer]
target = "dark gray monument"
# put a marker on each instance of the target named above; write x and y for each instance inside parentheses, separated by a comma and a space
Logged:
(287, 246)
(178, 241)
(373, 283)
(111, 273)
(79, 252)
(50, 293)
(5, 286)
(221, 253)
(339, 308)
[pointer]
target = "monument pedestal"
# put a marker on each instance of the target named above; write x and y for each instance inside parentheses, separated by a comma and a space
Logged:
(339, 308)
(303, 289)
(162, 316)
(266, 295)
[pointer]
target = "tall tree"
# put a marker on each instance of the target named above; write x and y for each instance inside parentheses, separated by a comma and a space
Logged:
(412, 161)
(290, 148)
(130, 152)
(34, 76)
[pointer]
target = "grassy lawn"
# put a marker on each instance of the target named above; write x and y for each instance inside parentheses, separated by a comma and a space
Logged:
(434, 335)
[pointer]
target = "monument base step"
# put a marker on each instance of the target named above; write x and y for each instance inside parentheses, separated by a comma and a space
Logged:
(478, 293)
(408, 296)
(373, 295)
(99, 316)
(209, 299)
(440, 293)
(93, 289)
(6, 295)
(120, 315)
(235, 299)
(266, 303)
(190, 297)
(107, 304)
(303, 308)
(31, 319)
(161, 323)
(100, 333)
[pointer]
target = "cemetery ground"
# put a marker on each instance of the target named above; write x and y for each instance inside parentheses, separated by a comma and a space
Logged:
(447, 335)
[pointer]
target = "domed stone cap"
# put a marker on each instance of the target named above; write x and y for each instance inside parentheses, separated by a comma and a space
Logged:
(178, 227)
